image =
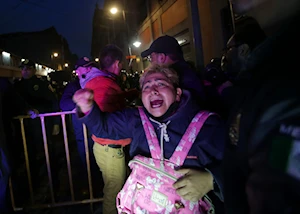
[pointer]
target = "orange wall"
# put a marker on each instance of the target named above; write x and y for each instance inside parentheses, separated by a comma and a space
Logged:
(155, 29)
(6, 71)
(145, 36)
(175, 14)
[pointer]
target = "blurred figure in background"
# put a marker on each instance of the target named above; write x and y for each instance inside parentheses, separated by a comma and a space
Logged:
(109, 154)
(39, 95)
(124, 82)
(261, 163)
(166, 51)
(67, 104)
(11, 150)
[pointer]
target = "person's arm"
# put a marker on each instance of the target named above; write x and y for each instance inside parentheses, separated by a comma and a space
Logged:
(105, 125)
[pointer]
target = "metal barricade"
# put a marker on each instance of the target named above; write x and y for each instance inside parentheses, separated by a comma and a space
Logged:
(53, 204)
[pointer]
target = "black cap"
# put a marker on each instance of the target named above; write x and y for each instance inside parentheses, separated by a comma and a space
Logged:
(84, 62)
(27, 63)
(164, 44)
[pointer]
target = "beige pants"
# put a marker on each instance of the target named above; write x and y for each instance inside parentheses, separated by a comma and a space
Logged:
(111, 162)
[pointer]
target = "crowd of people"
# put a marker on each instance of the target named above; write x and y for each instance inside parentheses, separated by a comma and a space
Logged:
(238, 126)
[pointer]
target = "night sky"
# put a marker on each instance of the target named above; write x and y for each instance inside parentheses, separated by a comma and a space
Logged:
(71, 18)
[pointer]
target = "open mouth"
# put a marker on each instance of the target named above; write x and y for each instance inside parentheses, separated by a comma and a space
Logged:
(156, 103)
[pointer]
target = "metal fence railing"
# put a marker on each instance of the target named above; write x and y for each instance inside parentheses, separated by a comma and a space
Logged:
(53, 203)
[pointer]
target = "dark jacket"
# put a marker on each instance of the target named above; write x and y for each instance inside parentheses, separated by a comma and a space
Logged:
(261, 163)
(208, 146)
(188, 79)
(66, 102)
(37, 94)
(12, 104)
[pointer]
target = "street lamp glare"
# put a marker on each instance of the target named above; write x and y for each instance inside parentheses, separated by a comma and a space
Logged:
(113, 10)
(137, 44)
(55, 54)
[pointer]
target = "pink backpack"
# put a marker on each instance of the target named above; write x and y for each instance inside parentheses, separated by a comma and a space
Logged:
(148, 188)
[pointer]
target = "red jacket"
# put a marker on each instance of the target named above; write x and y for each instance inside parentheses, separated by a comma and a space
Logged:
(109, 97)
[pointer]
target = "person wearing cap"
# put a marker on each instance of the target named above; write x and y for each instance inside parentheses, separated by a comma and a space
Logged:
(39, 96)
(166, 50)
(36, 92)
(261, 162)
(109, 97)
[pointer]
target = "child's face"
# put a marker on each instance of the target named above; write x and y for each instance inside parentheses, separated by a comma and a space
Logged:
(158, 94)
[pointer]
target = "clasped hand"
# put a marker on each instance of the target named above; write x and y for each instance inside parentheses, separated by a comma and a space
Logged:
(84, 99)
(194, 184)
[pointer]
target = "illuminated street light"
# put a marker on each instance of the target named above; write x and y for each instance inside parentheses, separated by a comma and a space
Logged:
(137, 44)
(55, 54)
(97, 59)
(22, 60)
(66, 65)
(5, 54)
(113, 10)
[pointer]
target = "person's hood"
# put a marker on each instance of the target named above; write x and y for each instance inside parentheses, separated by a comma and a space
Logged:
(94, 72)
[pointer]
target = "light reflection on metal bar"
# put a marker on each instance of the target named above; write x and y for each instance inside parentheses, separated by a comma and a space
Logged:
(63, 118)
(87, 156)
(53, 204)
(46, 114)
(11, 191)
(47, 157)
(26, 160)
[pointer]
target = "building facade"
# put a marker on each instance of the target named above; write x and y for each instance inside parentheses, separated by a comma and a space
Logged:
(201, 27)
(47, 48)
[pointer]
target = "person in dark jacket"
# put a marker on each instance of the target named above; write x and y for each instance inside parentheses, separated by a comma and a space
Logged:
(11, 104)
(167, 105)
(261, 163)
(67, 104)
(166, 51)
(38, 94)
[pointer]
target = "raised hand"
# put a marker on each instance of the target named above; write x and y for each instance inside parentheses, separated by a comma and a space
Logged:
(84, 99)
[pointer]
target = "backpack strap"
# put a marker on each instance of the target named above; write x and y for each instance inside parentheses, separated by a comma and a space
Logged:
(150, 135)
(189, 137)
(185, 143)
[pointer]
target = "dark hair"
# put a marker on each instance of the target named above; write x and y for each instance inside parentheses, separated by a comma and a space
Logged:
(249, 32)
(109, 54)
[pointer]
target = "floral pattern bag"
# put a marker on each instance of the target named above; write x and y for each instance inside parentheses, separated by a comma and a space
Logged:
(148, 188)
